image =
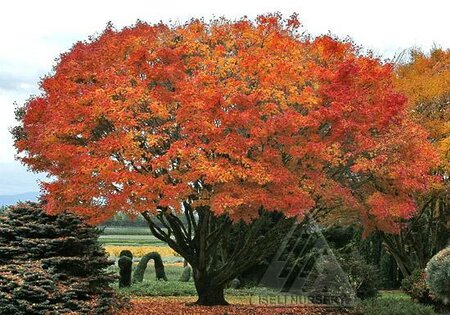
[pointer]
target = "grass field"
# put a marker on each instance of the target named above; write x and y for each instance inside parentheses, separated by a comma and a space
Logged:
(169, 297)
(138, 240)
(129, 237)
(152, 287)
(116, 239)
(127, 231)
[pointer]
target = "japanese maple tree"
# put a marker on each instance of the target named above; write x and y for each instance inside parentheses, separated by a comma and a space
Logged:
(221, 122)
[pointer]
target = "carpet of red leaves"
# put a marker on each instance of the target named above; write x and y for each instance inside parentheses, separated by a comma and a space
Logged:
(177, 306)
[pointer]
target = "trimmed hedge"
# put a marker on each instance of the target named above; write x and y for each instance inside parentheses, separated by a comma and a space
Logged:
(438, 276)
(138, 274)
(125, 265)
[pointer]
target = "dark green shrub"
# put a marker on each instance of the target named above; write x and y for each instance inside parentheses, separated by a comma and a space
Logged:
(438, 276)
(138, 275)
(363, 277)
(393, 306)
(415, 286)
(125, 266)
(52, 265)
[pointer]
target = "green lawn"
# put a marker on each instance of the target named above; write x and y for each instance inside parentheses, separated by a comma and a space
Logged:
(152, 287)
(387, 303)
(395, 294)
(131, 240)
(173, 268)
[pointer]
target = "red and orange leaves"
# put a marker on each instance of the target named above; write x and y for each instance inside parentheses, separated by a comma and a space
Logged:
(177, 306)
(235, 115)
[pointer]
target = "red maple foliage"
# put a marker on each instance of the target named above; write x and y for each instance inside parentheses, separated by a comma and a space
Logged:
(234, 116)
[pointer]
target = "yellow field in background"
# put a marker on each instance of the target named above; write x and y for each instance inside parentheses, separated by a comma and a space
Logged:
(139, 251)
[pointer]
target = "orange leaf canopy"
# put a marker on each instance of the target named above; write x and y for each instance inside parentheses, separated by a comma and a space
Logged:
(234, 116)
(425, 80)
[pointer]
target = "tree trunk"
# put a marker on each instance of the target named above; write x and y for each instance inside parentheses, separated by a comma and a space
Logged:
(217, 251)
(208, 292)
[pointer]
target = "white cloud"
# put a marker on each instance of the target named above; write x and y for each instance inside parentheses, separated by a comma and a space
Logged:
(34, 33)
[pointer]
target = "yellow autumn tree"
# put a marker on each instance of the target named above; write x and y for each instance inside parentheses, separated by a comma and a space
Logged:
(425, 81)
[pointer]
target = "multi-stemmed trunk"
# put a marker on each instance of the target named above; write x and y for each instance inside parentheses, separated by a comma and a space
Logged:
(217, 250)
(424, 235)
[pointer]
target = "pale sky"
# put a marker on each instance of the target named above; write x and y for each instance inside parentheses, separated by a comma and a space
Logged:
(34, 33)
